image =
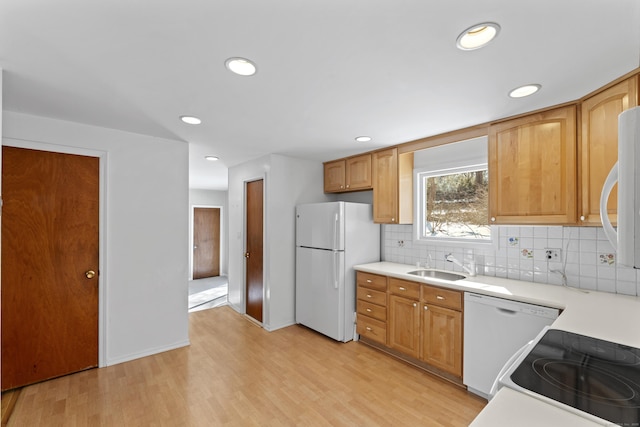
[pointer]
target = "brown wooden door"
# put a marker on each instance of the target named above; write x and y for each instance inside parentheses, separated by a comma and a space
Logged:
(254, 243)
(50, 233)
(206, 242)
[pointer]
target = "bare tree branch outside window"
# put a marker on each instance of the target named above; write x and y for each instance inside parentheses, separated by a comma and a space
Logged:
(457, 205)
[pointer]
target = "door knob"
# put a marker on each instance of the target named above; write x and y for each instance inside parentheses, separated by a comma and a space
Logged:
(90, 274)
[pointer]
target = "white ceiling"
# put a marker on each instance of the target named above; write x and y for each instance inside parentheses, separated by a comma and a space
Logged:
(328, 70)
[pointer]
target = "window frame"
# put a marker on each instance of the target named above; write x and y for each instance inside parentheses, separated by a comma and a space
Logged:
(419, 178)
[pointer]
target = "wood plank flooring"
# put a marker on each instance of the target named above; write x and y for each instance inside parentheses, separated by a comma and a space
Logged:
(235, 373)
(9, 399)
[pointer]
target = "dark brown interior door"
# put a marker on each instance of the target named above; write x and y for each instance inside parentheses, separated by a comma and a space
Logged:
(253, 255)
(206, 242)
(50, 235)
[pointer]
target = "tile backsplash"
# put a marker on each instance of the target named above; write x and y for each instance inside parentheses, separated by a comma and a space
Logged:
(533, 254)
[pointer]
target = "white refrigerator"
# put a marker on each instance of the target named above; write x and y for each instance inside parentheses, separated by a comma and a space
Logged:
(330, 239)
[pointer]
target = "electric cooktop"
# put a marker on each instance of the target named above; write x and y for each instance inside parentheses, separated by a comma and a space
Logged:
(598, 377)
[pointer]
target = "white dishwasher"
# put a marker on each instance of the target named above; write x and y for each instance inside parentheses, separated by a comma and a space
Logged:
(494, 329)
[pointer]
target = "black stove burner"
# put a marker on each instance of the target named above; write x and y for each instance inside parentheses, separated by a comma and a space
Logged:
(604, 350)
(595, 376)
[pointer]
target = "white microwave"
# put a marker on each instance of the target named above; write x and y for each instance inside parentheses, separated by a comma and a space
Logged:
(626, 172)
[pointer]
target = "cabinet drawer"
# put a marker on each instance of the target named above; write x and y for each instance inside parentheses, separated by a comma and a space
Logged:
(372, 329)
(372, 281)
(375, 297)
(404, 288)
(372, 310)
(442, 297)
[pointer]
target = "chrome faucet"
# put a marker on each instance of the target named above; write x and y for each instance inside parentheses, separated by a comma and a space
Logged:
(471, 270)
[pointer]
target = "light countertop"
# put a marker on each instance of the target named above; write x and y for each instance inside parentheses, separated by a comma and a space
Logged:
(600, 315)
(511, 408)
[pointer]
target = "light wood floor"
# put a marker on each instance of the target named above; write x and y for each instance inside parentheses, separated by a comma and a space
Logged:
(235, 373)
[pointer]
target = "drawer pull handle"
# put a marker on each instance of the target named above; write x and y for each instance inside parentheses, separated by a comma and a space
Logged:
(369, 329)
(402, 289)
(368, 295)
(415, 304)
(368, 280)
(426, 308)
(439, 297)
(368, 310)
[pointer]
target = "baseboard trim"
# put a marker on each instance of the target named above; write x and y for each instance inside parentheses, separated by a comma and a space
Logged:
(149, 352)
(283, 325)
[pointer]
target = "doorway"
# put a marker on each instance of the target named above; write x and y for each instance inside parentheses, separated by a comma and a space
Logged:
(206, 242)
(50, 260)
(207, 288)
(254, 248)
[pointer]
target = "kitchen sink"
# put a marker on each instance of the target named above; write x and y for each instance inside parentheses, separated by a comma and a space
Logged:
(437, 274)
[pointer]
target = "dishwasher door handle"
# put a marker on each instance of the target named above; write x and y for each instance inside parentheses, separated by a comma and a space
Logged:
(507, 311)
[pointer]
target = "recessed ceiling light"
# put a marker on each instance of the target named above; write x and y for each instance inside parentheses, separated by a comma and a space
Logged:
(241, 66)
(363, 138)
(191, 120)
(525, 90)
(477, 36)
(212, 158)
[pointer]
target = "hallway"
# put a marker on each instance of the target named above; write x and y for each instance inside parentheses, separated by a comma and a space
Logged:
(207, 293)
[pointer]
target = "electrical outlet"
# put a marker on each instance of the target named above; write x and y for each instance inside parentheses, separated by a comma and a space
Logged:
(552, 254)
(400, 243)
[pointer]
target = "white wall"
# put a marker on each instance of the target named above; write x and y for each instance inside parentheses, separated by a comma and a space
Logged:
(144, 265)
(215, 199)
(288, 182)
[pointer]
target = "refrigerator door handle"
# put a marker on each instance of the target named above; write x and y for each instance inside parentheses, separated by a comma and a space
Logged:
(336, 261)
(335, 232)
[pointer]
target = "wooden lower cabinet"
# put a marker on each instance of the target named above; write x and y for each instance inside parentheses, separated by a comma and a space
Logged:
(404, 325)
(441, 340)
(371, 328)
(422, 323)
(371, 307)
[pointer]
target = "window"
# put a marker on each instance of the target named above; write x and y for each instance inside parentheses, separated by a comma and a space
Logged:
(452, 200)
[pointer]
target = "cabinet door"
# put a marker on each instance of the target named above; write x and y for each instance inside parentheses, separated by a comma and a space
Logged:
(404, 325)
(385, 186)
(599, 146)
(442, 338)
(358, 172)
(532, 169)
(334, 176)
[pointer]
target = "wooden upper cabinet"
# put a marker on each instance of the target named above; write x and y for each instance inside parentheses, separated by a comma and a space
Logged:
(532, 169)
(358, 172)
(350, 174)
(599, 146)
(392, 187)
(334, 176)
